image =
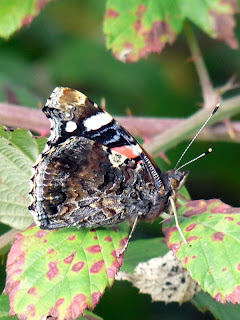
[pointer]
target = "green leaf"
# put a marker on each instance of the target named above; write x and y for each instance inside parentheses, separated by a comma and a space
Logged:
(143, 250)
(4, 311)
(61, 272)
(14, 14)
(4, 308)
(204, 303)
(18, 153)
(213, 259)
(136, 28)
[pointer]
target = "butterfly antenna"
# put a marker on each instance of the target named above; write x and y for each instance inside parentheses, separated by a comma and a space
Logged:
(191, 142)
(200, 156)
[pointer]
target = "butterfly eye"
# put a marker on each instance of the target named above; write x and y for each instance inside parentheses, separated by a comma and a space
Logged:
(174, 184)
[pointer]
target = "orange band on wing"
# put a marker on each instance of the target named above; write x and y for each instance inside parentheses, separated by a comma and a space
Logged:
(127, 151)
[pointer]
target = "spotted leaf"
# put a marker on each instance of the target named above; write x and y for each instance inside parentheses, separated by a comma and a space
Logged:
(62, 272)
(212, 228)
(136, 28)
(18, 152)
(16, 14)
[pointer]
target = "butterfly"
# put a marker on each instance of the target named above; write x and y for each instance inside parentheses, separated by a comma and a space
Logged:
(93, 173)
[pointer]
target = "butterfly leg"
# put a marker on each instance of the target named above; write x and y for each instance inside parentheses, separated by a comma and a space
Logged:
(174, 209)
(130, 234)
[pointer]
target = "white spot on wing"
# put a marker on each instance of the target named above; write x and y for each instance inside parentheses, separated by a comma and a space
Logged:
(97, 121)
(71, 126)
(136, 149)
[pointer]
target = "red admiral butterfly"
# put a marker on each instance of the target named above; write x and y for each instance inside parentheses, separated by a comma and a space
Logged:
(93, 173)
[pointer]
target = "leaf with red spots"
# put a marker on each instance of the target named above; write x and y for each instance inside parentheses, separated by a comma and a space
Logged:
(136, 28)
(212, 228)
(17, 13)
(61, 272)
(18, 153)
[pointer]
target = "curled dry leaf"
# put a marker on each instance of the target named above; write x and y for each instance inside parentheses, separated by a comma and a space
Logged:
(164, 278)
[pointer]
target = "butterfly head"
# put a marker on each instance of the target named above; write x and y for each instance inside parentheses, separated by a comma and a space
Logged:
(176, 179)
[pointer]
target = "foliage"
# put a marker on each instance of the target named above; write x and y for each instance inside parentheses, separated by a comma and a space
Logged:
(61, 273)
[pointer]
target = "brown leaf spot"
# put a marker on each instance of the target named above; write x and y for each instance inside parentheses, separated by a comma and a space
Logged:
(224, 269)
(138, 26)
(140, 10)
(78, 266)
(197, 207)
(77, 307)
(41, 3)
(31, 310)
(59, 302)
(192, 238)
(222, 208)
(70, 258)
(96, 238)
(234, 297)
(238, 223)
(32, 291)
(156, 38)
(210, 217)
(54, 312)
(97, 266)
(168, 233)
(218, 236)
(111, 13)
(174, 247)
(108, 239)
(123, 242)
(94, 249)
(112, 271)
(191, 227)
(218, 297)
(71, 238)
(186, 260)
(223, 25)
(95, 298)
(53, 270)
(41, 233)
(229, 218)
(114, 254)
(27, 20)
(238, 267)
(51, 250)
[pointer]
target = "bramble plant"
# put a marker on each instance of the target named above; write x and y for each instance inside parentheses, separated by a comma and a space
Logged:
(64, 273)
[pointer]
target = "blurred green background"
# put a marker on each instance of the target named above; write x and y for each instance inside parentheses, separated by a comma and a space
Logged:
(65, 46)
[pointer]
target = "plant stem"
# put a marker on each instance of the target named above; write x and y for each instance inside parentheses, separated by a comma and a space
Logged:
(210, 96)
(175, 135)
